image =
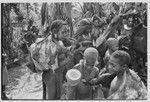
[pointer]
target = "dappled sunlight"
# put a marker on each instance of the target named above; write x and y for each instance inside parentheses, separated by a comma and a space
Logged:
(24, 84)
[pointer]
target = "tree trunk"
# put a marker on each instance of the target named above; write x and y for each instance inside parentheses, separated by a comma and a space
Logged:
(68, 14)
(6, 29)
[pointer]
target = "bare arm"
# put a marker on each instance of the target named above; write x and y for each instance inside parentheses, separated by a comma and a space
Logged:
(65, 61)
(116, 21)
(112, 87)
(110, 29)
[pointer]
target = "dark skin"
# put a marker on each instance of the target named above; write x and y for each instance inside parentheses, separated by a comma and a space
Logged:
(83, 88)
(114, 67)
(52, 81)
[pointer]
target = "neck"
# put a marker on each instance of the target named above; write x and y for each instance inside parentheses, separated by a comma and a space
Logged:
(127, 27)
(120, 75)
(110, 51)
(87, 67)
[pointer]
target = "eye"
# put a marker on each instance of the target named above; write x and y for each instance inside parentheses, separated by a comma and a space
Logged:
(113, 65)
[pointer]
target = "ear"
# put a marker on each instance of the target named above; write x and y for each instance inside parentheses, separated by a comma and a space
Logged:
(84, 58)
(124, 66)
(55, 35)
(55, 31)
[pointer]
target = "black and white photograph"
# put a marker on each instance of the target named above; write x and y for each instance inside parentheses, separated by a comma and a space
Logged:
(74, 51)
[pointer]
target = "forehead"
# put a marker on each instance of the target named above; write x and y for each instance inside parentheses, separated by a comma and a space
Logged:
(130, 18)
(64, 27)
(113, 42)
(96, 20)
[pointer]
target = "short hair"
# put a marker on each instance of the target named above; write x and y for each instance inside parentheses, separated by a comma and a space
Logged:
(56, 25)
(91, 54)
(110, 41)
(122, 56)
(95, 17)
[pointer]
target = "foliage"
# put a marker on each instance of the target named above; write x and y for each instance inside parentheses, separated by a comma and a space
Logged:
(16, 18)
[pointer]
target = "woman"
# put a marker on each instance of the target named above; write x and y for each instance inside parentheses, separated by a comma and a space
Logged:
(47, 54)
(54, 81)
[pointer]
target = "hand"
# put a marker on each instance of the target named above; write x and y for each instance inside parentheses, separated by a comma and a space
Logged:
(104, 75)
(103, 78)
(69, 48)
(83, 80)
(93, 81)
(54, 67)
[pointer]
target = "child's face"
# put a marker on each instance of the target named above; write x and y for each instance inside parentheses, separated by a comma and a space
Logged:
(115, 46)
(64, 32)
(130, 22)
(113, 65)
(90, 63)
(96, 22)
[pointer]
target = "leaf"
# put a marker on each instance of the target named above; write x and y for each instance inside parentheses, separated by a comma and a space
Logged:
(44, 13)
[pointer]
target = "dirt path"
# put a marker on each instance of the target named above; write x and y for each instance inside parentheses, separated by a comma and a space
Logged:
(23, 84)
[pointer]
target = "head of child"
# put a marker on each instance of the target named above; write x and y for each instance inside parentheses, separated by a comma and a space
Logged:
(113, 44)
(90, 57)
(118, 62)
(97, 20)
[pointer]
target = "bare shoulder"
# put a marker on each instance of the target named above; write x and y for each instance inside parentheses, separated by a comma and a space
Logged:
(96, 69)
(113, 86)
(78, 66)
(114, 81)
(94, 72)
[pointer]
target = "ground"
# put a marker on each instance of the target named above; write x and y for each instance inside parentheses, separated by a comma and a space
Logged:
(24, 84)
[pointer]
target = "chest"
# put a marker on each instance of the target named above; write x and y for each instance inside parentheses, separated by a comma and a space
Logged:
(116, 85)
(96, 31)
(127, 32)
(87, 74)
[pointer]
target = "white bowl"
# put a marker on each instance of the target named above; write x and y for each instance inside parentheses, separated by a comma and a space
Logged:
(73, 77)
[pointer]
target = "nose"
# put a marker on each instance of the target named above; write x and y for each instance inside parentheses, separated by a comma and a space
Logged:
(116, 48)
(108, 66)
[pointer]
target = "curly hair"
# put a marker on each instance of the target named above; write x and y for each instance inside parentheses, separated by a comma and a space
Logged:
(111, 41)
(96, 17)
(84, 28)
(122, 56)
(56, 25)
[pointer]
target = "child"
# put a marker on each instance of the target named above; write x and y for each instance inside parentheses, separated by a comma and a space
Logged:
(113, 45)
(96, 28)
(88, 71)
(127, 84)
(104, 78)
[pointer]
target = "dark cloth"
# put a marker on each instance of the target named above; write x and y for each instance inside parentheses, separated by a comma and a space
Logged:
(4, 97)
(105, 81)
(102, 50)
(82, 91)
(49, 79)
(78, 55)
(24, 48)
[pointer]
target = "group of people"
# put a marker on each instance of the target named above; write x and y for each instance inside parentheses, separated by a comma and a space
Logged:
(105, 75)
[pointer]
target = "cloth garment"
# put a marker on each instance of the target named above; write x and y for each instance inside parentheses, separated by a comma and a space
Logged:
(131, 88)
(83, 91)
